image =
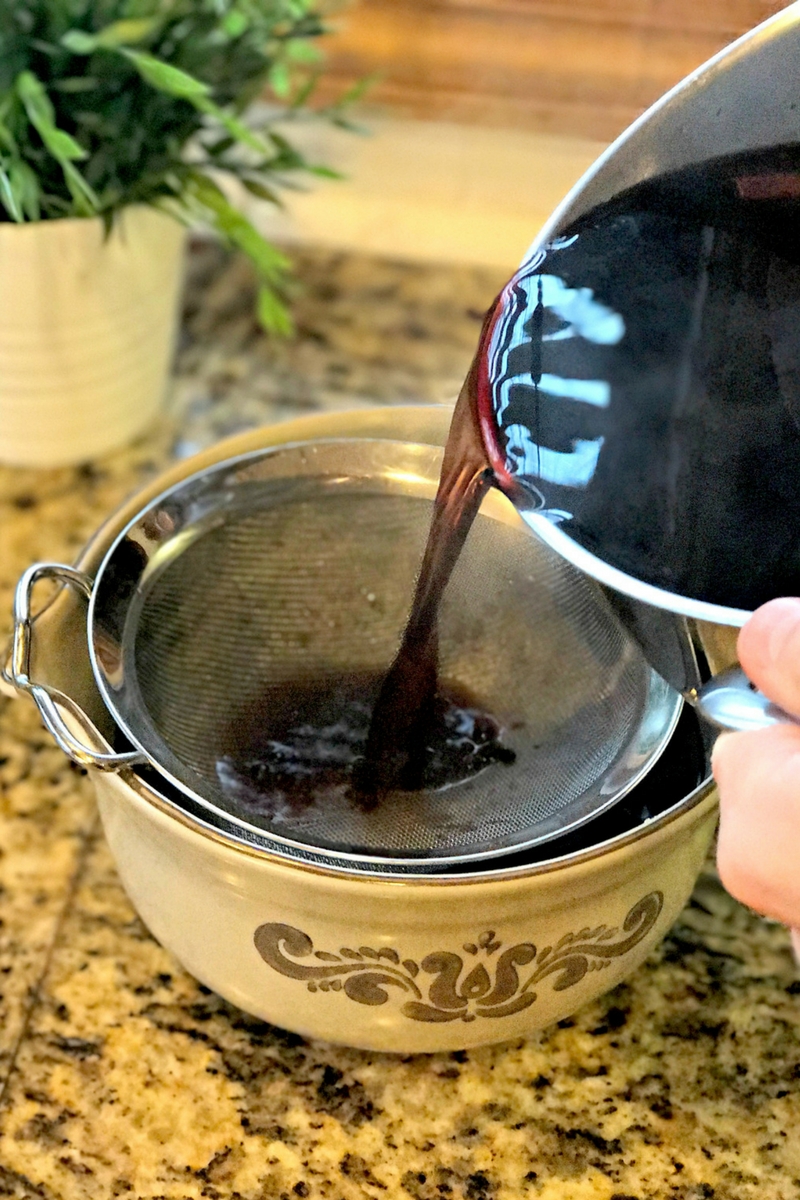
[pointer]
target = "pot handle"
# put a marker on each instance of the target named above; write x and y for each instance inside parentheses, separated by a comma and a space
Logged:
(49, 700)
(730, 701)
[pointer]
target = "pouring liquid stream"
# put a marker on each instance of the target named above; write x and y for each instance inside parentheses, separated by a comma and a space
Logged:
(408, 696)
(410, 731)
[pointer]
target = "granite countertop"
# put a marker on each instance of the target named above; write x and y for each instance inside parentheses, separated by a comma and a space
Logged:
(121, 1076)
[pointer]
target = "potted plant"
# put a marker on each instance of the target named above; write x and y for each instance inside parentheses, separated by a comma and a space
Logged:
(118, 118)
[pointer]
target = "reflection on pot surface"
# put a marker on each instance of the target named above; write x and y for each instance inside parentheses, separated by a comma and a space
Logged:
(643, 372)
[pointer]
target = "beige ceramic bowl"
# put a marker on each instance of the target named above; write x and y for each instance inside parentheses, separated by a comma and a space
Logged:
(385, 963)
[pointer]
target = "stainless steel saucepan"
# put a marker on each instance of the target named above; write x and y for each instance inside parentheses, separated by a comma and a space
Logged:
(639, 382)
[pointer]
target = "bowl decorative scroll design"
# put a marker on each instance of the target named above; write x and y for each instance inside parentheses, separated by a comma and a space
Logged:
(463, 986)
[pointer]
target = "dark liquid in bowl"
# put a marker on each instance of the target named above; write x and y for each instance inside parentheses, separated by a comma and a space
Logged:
(678, 772)
(306, 743)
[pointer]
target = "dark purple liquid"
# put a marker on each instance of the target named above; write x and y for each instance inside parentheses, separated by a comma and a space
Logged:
(406, 704)
(307, 742)
(641, 380)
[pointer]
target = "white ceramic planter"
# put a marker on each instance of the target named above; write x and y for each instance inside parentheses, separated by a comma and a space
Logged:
(87, 329)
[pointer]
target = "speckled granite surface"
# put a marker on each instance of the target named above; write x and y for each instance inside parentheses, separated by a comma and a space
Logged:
(121, 1076)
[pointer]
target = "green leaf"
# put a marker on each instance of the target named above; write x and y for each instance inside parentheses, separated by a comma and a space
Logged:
(349, 126)
(44, 47)
(269, 262)
(33, 95)
(26, 187)
(119, 33)
(169, 79)
(79, 42)
(235, 127)
(287, 158)
(221, 146)
(302, 52)
(38, 106)
(234, 23)
(75, 85)
(323, 172)
(280, 142)
(60, 144)
(273, 314)
(64, 149)
(83, 195)
(336, 112)
(166, 78)
(305, 91)
(280, 80)
(11, 200)
(356, 92)
(7, 138)
(122, 33)
(256, 188)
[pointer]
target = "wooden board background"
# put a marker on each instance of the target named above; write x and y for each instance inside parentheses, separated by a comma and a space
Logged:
(584, 68)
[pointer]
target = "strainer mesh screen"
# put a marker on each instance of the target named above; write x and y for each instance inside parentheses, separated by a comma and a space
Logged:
(318, 584)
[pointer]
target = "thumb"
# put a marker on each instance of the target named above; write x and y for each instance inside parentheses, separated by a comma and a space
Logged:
(769, 651)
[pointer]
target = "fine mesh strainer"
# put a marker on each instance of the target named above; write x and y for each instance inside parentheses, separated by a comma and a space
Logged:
(297, 564)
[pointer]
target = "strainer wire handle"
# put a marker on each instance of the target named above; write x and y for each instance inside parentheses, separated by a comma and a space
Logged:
(50, 701)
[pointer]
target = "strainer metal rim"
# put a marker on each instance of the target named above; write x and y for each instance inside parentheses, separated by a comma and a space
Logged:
(102, 679)
(224, 832)
(294, 847)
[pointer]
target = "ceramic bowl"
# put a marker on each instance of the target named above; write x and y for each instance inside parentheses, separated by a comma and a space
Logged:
(391, 963)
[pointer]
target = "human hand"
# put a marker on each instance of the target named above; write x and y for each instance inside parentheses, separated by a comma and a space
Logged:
(758, 774)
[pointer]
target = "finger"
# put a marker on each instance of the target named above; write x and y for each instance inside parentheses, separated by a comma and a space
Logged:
(769, 651)
(758, 852)
(796, 943)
